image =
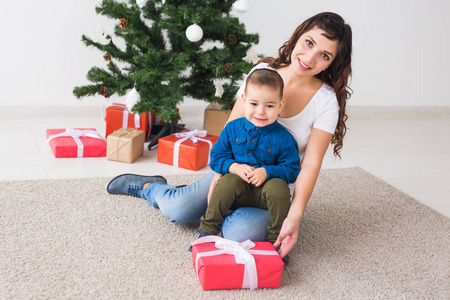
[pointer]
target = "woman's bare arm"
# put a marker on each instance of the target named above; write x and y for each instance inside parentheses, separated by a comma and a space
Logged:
(237, 111)
(304, 186)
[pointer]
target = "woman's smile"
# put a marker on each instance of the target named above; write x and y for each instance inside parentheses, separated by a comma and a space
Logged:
(303, 66)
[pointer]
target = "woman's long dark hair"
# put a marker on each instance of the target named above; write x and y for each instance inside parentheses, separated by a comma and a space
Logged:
(338, 72)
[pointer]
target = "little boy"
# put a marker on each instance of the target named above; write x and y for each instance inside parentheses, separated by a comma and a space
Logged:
(257, 156)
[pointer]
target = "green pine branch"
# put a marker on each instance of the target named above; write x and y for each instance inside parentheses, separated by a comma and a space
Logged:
(110, 48)
(87, 90)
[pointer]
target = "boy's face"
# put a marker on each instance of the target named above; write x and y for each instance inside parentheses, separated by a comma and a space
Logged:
(262, 104)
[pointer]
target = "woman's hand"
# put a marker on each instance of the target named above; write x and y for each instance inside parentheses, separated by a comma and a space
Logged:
(288, 236)
(216, 177)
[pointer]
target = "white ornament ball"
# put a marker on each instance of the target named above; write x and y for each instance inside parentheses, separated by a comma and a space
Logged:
(241, 6)
(194, 33)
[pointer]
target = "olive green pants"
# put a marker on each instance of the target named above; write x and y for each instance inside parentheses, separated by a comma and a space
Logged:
(232, 192)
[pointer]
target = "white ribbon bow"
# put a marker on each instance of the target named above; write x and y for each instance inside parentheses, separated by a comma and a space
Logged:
(242, 255)
(76, 134)
(137, 117)
(195, 135)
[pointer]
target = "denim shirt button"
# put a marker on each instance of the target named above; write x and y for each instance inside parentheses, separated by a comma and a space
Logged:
(269, 149)
(249, 154)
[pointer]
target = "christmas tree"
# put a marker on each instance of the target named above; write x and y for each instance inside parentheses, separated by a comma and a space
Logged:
(173, 49)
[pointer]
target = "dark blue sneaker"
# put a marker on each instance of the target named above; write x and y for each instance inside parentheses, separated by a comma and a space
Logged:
(285, 259)
(131, 184)
(201, 233)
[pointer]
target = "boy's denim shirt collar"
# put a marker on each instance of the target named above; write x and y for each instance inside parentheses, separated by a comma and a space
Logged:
(264, 130)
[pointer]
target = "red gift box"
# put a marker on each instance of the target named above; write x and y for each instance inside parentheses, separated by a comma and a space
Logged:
(118, 116)
(186, 149)
(218, 267)
(80, 142)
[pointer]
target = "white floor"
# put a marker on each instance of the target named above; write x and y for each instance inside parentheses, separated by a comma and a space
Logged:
(407, 147)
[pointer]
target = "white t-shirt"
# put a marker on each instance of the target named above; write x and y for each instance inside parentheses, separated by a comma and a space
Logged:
(322, 112)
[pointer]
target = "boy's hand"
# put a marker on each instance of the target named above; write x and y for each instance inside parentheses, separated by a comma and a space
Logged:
(241, 170)
(257, 176)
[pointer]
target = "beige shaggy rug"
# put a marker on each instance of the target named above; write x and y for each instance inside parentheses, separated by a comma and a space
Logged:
(360, 239)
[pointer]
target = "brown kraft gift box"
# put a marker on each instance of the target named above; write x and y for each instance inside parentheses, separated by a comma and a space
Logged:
(125, 145)
(215, 119)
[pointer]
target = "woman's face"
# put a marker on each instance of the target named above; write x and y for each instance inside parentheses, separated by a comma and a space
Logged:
(313, 52)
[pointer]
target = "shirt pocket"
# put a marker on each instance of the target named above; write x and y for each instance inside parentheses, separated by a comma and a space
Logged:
(268, 153)
(238, 145)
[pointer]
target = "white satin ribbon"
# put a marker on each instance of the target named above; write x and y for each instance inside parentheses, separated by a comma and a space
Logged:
(242, 255)
(137, 117)
(76, 134)
(195, 135)
(137, 120)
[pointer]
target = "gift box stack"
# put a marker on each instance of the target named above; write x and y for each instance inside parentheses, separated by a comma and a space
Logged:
(225, 264)
(126, 134)
(118, 116)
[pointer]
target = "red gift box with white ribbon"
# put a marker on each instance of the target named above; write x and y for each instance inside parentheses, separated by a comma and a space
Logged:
(225, 264)
(80, 142)
(186, 149)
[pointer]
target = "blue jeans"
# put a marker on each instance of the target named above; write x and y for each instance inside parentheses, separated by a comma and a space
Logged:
(189, 203)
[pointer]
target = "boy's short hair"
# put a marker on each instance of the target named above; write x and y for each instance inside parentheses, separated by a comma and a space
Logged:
(266, 77)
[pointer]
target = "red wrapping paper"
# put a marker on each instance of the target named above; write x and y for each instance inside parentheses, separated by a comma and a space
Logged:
(67, 147)
(114, 119)
(193, 156)
(222, 271)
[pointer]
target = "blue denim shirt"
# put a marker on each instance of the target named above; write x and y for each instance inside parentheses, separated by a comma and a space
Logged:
(271, 147)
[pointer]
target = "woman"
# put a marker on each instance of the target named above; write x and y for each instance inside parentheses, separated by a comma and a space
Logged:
(315, 65)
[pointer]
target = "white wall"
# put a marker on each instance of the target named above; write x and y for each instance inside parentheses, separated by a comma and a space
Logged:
(400, 47)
